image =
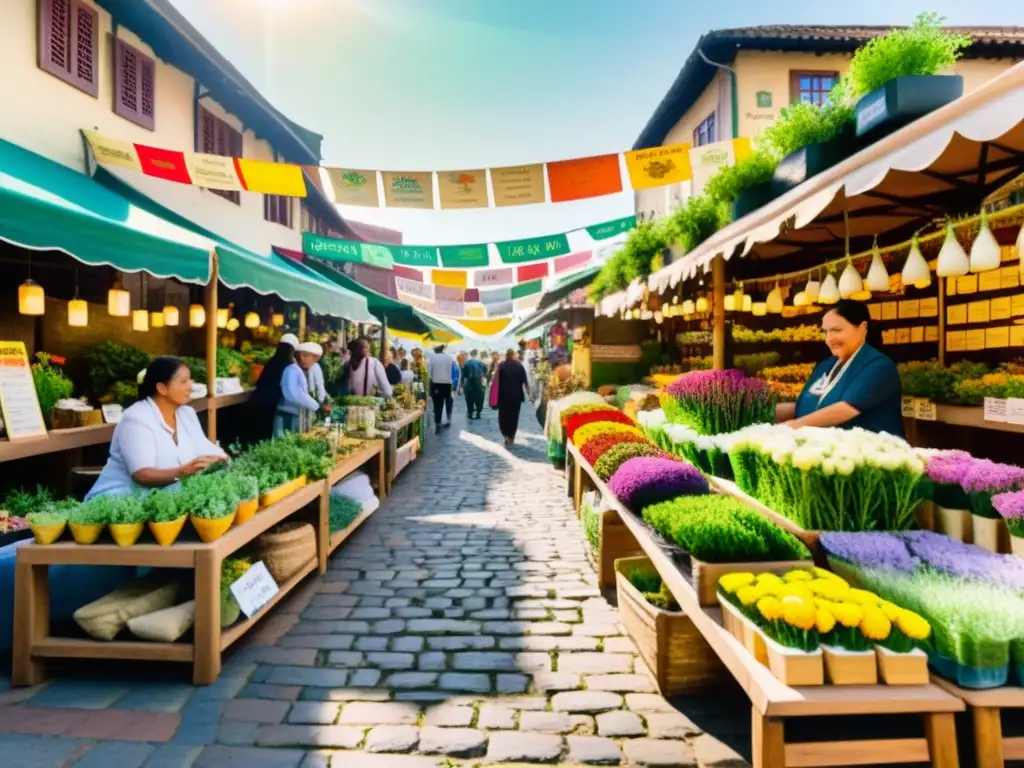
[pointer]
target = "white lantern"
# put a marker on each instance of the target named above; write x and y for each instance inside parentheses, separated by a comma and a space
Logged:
(759, 308)
(702, 304)
(156, 319)
(829, 291)
(878, 278)
(119, 301)
(774, 301)
(800, 300)
(31, 298)
(252, 320)
(659, 318)
(748, 302)
(140, 320)
(850, 281)
(196, 316)
(222, 317)
(730, 303)
(915, 270)
(78, 313)
(688, 307)
(811, 289)
(986, 254)
(233, 324)
(171, 315)
(952, 261)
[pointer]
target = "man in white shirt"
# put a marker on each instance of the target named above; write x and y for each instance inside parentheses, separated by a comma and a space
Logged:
(315, 374)
(439, 371)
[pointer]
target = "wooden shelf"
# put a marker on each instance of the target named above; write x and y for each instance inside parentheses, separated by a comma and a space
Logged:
(340, 537)
(411, 417)
(239, 628)
(80, 648)
(970, 416)
(991, 747)
(350, 462)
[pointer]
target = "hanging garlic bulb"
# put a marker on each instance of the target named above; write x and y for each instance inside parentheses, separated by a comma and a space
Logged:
(774, 301)
(877, 279)
(811, 289)
(850, 282)
(915, 270)
(953, 261)
(829, 291)
(800, 300)
(986, 254)
(759, 308)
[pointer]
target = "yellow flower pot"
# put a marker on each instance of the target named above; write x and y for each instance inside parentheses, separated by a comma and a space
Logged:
(211, 530)
(166, 533)
(245, 510)
(955, 523)
(86, 533)
(845, 667)
(126, 534)
(47, 534)
(902, 668)
(274, 495)
(990, 533)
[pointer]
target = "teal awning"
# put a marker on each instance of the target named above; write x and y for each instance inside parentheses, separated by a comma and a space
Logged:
(241, 268)
(47, 206)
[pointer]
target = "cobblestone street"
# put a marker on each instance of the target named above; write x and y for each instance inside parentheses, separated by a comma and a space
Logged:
(462, 625)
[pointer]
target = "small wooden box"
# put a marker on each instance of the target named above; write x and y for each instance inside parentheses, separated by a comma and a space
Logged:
(706, 575)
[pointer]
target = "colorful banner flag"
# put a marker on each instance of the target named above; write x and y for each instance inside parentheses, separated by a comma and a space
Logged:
(164, 164)
(529, 303)
(352, 186)
(213, 171)
(472, 294)
(463, 189)
(707, 160)
(454, 278)
(527, 289)
(501, 309)
(475, 310)
(423, 290)
(335, 249)
(271, 178)
(414, 255)
(407, 273)
(449, 293)
(486, 327)
(530, 272)
(113, 152)
(464, 255)
(312, 173)
(451, 308)
(417, 302)
(487, 277)
(408, 189)
(572, 261)
(533, 249)
(495, 295)
(518, 185)
(658, 166)
(612, 228)
(584, 177)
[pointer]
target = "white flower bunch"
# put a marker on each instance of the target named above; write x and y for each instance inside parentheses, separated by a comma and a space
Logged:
(651, 421)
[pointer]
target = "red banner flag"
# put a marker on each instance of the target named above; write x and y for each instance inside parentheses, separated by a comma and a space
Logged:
(163, 163)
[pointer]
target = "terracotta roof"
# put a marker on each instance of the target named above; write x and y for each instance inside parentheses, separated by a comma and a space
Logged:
(721, 45)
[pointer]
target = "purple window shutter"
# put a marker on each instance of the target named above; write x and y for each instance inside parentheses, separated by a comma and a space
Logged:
(86, 47)
(208, 132)
(55, 37)
(133, 85)
(147, 91)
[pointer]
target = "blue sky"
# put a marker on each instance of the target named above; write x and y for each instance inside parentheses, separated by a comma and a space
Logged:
(458, 84)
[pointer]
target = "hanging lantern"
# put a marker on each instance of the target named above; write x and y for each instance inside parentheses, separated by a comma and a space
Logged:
(659, 318)
(730, 303)
(800, 300)
(222, 317)
(877, 279)
(953, 261)
(196, 316)
(119, 301)
(850, 282)
(78, 313)
(986, 254)
(689, 307)
(277, 319)
(774, 301)
(811, 290)
(829, 291)
(915, 270)
(233, 324)
(31, 298)
(252, 320)
(748, 302)
(140, 320)
(156, 319)
(702, 304)
(171, 315)
(759, 308)
(861, 295)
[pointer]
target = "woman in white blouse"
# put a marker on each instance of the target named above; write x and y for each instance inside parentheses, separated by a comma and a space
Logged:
(365, 372)
(159, 439)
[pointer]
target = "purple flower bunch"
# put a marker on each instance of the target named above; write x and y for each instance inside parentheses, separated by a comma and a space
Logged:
(965, 561)
(984, 476)
(717, 402)
(949, 467)
(647, 480)
(1010, 507)
(870, 550)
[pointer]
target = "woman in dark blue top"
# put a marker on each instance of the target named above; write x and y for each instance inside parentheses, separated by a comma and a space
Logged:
(857, 387)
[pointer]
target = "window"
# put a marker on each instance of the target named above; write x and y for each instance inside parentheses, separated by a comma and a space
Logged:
(216, 137)
(313, 223)
(134, 85)
(705, 132)
(811, 87)
(278, 209)
(68, 42)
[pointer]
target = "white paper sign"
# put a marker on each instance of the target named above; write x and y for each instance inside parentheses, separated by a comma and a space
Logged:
(1015, 410)
(995, 409)
(907, 407)
(925, 410)
(112, 413)
(254, 589)
(18, 400)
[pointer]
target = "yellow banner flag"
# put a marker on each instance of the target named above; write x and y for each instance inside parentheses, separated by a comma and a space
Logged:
(658, 166)
(272, 178)
(463, 189)
(475, 310)
(452, 278)
(353, 186)
(408, 189)
(486, 327)
(707, 160)
(518, 185)
(212, 171)
(113, 152)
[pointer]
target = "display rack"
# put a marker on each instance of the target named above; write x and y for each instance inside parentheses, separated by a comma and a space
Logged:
(394, 429)
(991, 748)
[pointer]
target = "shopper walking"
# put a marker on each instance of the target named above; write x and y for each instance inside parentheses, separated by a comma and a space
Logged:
(513, 389)
(439, 371)
(474, 384)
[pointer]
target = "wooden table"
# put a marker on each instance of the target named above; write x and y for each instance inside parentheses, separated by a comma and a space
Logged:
(991, 748)
(34, 646)
(394, 427)
(772, 702)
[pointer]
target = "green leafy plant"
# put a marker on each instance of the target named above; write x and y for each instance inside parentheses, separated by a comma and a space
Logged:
(695, 221)
(124, 510)
(246, 487)
(96, 511)
(20, 502)
(110, 362)
(803, 124)
(640, 255)
(52, 385)
(618, 455)
(343, 512)
(591, 520)
(649, 584)
(162, 507)
(125, 393)
(231, 570)
(727, 184)
(207, 497)
(48, 516)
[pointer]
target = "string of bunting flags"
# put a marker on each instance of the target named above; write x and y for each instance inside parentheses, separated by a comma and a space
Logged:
(556, 182)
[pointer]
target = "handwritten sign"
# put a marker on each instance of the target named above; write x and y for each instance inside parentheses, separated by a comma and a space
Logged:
(924, 410)
(978, 312)
(254, 589)
(907, 407)
(890, 311)
(917, 334)
(931, 333)
(990, 281)
(910, 309)
(1017, 305)
(1015, 410)
(1017, 335)
(18, 400)
(1000, 309)
(997, 338)
(875, 311)
(995, 409)
(112, 413)
(975, 340)
(956, 314)
(902, 335)
(1009, 277)
(967, 285)
(956, 341)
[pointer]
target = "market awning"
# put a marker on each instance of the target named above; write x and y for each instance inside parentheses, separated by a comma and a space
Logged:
(47, 206)
(241, 268)
(567, 285)
(949, 160)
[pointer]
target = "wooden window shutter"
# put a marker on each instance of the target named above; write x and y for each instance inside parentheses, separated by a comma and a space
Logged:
(55, 36)
(134, 74)
(86, 44)
(68, 41)
(207, 132)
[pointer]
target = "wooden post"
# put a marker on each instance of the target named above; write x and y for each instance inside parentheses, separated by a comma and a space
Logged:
(384, 340)
(302, 322)
(206, 632)
(31, 622)
(768, 739)
(940, 730)
(718, 309)
(942, 320)
(211, 347)
(988, 737)
(323, 529)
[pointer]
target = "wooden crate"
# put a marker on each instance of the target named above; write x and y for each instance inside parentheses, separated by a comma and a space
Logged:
(678, 656)
(706, 575)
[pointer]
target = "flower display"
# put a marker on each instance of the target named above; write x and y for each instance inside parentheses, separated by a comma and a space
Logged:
(716, 402)
(650, 479)
(984, 478)
(590, 431)
(871, 550)
(595, 448)
(578, 420)
(618, 455)
(1010, 507)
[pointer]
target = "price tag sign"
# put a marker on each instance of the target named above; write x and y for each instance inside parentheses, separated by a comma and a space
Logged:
(907, 407)
(112, 413)
(18, 400)
(995, 409)
(1015, 410)
(925, 410)
(254, 589)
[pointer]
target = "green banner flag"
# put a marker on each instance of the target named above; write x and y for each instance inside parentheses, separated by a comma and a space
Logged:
(414, 255)
(534, 249)
(377, 255)
(464, 256)
(336, 249)
(527, 289)
(612, 228)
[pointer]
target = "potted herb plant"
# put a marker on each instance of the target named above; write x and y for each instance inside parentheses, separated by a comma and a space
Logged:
(164, 516)
(88, 520)
(48, 523)
(745, 186)
(809, 139)
(211, 505)
(247, 488)
(126, 519)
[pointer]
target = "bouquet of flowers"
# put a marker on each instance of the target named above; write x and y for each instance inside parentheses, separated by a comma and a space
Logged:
(597, 446)
(1010, 507)
(984, 479)
(618, 455)
(648, 480)
(590, 431)
(946, 472)
(578, 420)
(717, 402)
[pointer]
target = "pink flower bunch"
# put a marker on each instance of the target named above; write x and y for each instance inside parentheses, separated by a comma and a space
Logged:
(948, 468)
(710, 384)
(718, 402)
(1010, 507)
(991, 477)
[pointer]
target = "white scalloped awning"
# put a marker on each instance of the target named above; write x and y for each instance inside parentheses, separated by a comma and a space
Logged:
(974, 146)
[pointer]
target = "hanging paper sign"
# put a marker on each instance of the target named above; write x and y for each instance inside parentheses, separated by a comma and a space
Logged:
(163, 164)
(18, 400)
(572, 261)
(312, 174)
(377, 255)
(1015, 410)
(472, 294)
(408, 189)
(464, 256)
(486, 327)
(658, 166)
(407, 273)
(112, 413)
(476, 310)
(494, 295)
(416, 301)
(518, 185)
(527, 289)
(352, 186)
(531, 272)
(414, 255)
(500, 310)
(452, 308)
(527, 303)
(336, 249)
(612, 228)
(113, 152)
(534, 249)
(463, 189)
(254, 589)
(453, 278)
(584, 177)
(448, 293)
(271, 178)
(213, 171)
(424, 290)
(486, 277)
(707, 160)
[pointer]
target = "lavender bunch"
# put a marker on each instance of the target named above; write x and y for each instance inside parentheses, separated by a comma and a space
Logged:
(716, 402)
(966, 561)
(947, 471)
(870, 550)
(648, 480)
(1010, 507)
(985, 479)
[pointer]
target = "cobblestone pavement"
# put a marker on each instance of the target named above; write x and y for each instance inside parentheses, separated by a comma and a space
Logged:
(461, 626)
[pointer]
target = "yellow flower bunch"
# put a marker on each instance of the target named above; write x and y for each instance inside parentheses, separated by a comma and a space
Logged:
(874, 626)
(825, 620)
(862, 597)
(590, 431)
(799, 613)
(798, 574)
(822, 573)
(770, 608)
(795, 590)
(830, 589)
(732, 582)
(849, 614)
(891, 610)
(749, 595)
(912, 625)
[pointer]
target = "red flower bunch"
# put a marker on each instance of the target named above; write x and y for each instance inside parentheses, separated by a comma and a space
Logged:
(581, 419)
(594, 448)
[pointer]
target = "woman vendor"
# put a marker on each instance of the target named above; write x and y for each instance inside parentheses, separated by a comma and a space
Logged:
(857, 387)
(295, 409)
(267, 394)
(159, 439)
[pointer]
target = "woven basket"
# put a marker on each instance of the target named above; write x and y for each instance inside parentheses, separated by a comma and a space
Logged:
(286, 549)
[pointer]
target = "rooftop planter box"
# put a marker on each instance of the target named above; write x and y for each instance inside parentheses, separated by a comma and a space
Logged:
(752, 198)
(797, 167)
(903, 100)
